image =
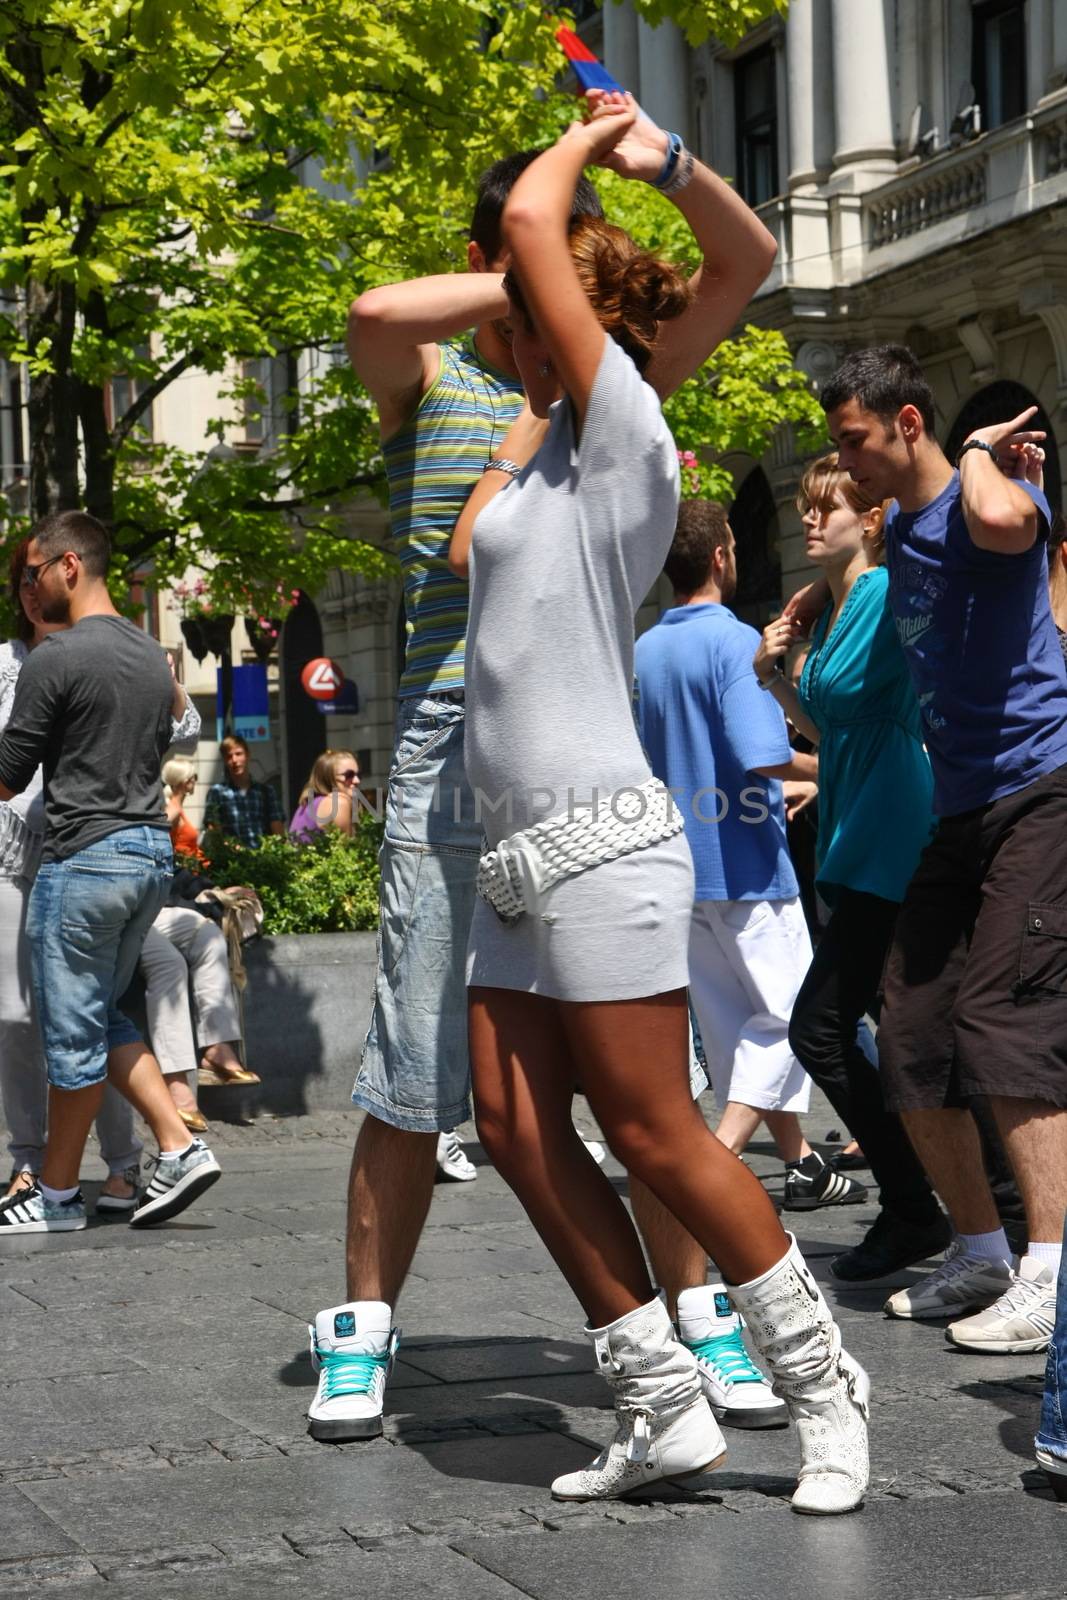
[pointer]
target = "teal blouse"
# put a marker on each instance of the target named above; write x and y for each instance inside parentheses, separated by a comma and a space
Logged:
(875, 782)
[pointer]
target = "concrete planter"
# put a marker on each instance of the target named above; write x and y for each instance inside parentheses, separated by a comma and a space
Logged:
(307, 1007)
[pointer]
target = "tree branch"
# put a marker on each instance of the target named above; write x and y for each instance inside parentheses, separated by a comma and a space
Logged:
(133, 414)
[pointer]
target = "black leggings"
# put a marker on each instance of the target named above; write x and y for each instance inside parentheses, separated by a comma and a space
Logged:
(841, 986)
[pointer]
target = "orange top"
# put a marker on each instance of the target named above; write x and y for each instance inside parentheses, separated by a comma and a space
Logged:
(184, 837)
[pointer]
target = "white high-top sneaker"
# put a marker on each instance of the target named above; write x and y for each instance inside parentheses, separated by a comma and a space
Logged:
(826, 1391)
(733, 1385)
(665, 1428)
(352, 1349)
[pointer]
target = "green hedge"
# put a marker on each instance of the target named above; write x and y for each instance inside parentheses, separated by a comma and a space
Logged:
(327, 886)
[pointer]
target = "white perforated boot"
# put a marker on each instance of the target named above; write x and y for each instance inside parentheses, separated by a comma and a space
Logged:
(826, 1391)
(665, 1428)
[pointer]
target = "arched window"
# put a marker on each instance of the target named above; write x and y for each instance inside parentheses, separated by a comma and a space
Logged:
(754, 519)
(999, 402)
(305, 726)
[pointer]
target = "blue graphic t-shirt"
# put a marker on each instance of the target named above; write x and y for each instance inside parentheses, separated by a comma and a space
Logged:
(982, 650)
(705, 724)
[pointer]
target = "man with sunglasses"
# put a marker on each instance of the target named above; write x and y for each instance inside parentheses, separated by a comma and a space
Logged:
(94, 707)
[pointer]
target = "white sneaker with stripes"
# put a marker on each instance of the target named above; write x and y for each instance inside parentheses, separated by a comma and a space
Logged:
(177, 1182)
(1020, 1322)
(29, 1212)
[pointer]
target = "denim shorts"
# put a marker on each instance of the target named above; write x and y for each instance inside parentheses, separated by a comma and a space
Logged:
(87, 919)
(415, 1072)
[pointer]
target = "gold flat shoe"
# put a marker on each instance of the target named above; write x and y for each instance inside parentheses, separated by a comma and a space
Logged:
(218, 1077)
(194, 1120)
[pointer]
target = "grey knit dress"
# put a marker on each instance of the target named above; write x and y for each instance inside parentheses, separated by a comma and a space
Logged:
(560, 561)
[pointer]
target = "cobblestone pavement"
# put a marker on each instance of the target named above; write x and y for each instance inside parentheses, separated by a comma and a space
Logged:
(153, 1389)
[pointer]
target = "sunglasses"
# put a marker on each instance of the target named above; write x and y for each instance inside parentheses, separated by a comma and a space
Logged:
(31, 572)
(349, 775)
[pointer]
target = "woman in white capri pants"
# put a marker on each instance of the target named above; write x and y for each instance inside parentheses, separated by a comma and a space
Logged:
(185, 951)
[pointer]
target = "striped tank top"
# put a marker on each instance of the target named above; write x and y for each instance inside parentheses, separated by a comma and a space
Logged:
(432, 463)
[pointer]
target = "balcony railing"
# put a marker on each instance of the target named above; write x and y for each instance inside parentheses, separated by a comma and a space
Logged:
(909, 207)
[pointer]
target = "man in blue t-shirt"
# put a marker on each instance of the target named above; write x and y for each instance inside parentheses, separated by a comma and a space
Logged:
(721, 745)
(976, 985)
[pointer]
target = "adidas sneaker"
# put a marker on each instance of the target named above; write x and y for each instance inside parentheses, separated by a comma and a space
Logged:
(452, 1160)
(734, 1387)
(353, 1348)
(177, 1181)
(29, 1212)
(810, 1184)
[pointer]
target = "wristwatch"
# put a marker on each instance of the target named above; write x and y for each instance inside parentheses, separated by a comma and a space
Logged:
(503, 464)
(976, 444)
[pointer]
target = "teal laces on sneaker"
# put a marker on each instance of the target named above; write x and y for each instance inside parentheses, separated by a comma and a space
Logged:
(727, 1354)
(345, 1373)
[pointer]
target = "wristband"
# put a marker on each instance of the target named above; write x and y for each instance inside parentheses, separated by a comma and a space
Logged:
(976, 444)
(670, 161)
(681, 175)
(502, 464)
(779, 677)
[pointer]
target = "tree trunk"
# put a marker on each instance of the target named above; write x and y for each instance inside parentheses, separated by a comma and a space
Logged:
(96, 432)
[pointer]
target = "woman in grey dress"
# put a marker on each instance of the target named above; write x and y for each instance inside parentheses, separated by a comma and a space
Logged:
(564, 537)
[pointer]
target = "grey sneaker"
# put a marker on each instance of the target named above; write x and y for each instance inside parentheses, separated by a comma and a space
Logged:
(961, 1283)
(122, 1205)
(176, 1183)
(1020, 1322)
(30, 1212)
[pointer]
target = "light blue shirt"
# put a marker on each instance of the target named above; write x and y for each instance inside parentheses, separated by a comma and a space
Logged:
(706, 724)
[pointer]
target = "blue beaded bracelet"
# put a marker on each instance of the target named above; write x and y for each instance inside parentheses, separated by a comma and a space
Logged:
(675, 146)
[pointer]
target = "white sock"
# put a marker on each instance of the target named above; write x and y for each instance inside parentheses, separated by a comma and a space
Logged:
(994, 1246)
(57, 1196)
(172, 1155)
(1049, 1255)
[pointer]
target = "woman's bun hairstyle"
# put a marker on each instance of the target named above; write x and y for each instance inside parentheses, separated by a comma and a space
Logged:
(631, 290)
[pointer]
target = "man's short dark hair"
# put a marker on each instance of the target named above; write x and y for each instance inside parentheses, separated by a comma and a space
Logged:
(700, 531)
(883, 378)
(77, 531)
(496, 184)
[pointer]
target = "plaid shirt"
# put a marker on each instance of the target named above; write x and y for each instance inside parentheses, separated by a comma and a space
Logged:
(245, 813)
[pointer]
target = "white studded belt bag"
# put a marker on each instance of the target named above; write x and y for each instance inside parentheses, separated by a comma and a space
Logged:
(515, 876)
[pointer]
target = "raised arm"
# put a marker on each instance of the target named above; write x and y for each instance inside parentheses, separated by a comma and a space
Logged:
(736, 248)
(535, 230)
(394, 330)
(999, 513)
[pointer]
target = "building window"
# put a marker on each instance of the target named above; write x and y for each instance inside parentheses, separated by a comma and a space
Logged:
(756, 105)
(999, 60)
(125, 390)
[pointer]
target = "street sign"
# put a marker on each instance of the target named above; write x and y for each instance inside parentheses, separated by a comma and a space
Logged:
(322, 678)
(345, 700)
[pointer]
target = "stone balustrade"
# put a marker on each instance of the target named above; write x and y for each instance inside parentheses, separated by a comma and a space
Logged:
(917, 202)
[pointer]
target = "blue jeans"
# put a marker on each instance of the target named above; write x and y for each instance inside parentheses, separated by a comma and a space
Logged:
(87, 919)
(1052, 1432)
(415, 1072)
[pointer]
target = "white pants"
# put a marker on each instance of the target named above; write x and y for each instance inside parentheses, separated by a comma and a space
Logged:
(747, 960)
(23, 1088)
(185, 951)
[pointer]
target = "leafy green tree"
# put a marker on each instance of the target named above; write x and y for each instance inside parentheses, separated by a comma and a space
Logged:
(206, 184)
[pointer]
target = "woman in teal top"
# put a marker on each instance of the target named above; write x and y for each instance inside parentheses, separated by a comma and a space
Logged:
(856, 702)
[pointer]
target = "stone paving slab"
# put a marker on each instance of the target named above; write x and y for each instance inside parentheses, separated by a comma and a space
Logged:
(153, 1441)
(948, 1553)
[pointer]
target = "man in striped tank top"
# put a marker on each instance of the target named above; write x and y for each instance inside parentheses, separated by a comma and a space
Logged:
(445, 401)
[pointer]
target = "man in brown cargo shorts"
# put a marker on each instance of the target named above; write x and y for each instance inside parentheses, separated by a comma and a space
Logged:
(976, 984)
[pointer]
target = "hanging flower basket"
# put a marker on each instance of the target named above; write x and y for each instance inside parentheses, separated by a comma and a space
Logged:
(263, 634)
(216, 630)
(193, 634)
